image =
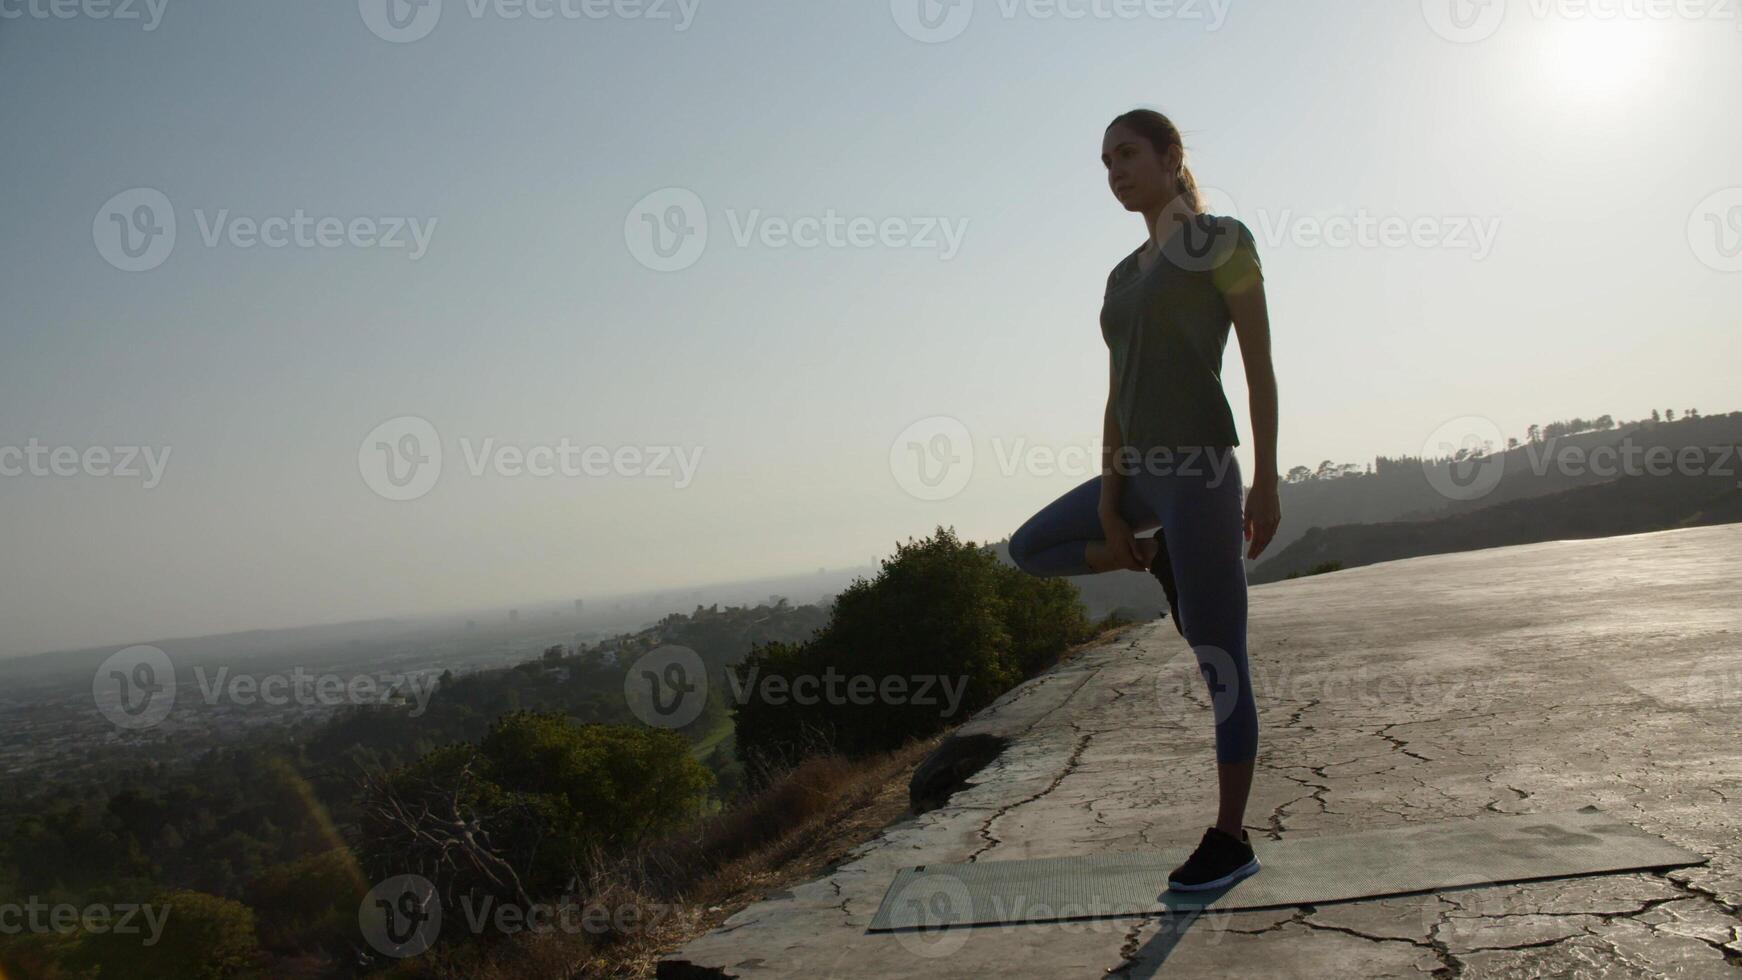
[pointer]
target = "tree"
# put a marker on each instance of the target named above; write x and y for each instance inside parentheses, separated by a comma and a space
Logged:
(941, 609)
(203, 937)
(516, 815)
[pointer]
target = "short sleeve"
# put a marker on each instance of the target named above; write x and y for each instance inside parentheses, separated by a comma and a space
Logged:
(1240, 270)
(1113, 276)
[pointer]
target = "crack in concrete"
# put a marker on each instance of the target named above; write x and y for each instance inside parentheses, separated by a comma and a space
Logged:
(985, 831)
(1399, 743)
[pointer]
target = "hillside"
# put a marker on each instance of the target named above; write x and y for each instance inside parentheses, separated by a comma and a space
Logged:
(1623, 505)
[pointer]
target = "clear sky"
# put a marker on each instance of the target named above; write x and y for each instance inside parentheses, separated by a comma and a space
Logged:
(1554, 173)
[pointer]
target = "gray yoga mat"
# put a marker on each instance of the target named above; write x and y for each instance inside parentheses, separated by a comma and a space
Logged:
(1295, 870)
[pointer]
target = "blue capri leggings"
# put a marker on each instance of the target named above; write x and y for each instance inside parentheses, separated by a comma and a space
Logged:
(1195, 498)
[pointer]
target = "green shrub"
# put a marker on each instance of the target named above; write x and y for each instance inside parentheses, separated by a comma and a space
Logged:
(944, 622)
(540, 795)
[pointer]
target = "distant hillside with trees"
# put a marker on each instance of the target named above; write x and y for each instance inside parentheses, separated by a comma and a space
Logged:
(1549, 489)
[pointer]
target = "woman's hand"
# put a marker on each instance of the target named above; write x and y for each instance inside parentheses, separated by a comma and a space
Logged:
(1263, 514)
(1121, 542)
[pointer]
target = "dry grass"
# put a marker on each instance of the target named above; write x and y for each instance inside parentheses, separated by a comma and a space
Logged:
(803, 824)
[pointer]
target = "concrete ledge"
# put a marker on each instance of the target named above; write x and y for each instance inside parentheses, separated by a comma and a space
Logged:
(1514, 680)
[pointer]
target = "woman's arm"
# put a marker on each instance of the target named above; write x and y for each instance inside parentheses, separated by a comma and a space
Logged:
(1251, 317)
(1119, 549)
(1112, 440)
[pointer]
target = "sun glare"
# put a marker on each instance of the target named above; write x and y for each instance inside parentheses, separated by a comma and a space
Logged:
(1590, 57)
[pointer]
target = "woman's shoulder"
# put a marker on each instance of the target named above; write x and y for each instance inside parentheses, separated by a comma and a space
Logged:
(1225, 222)
(1125, 265)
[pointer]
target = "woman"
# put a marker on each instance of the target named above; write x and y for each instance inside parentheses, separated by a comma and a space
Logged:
(1168, 457)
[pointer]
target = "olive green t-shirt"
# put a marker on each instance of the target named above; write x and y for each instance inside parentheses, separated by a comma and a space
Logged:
(1167, 327)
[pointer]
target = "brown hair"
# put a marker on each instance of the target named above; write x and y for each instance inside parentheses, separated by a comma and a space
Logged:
(1164, 135)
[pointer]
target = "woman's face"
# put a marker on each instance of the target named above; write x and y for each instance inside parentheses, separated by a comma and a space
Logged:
(1139, 179)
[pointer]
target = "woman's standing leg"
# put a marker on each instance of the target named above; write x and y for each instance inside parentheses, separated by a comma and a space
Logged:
(1057, 539)
(1200, 502)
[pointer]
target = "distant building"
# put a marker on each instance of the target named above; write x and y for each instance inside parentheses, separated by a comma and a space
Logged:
(514, 615)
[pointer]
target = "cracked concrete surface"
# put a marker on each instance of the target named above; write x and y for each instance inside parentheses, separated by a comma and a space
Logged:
(1512, 680)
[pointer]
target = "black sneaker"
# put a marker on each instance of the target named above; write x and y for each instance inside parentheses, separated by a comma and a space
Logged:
(1219, 860)
(1162, 569)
